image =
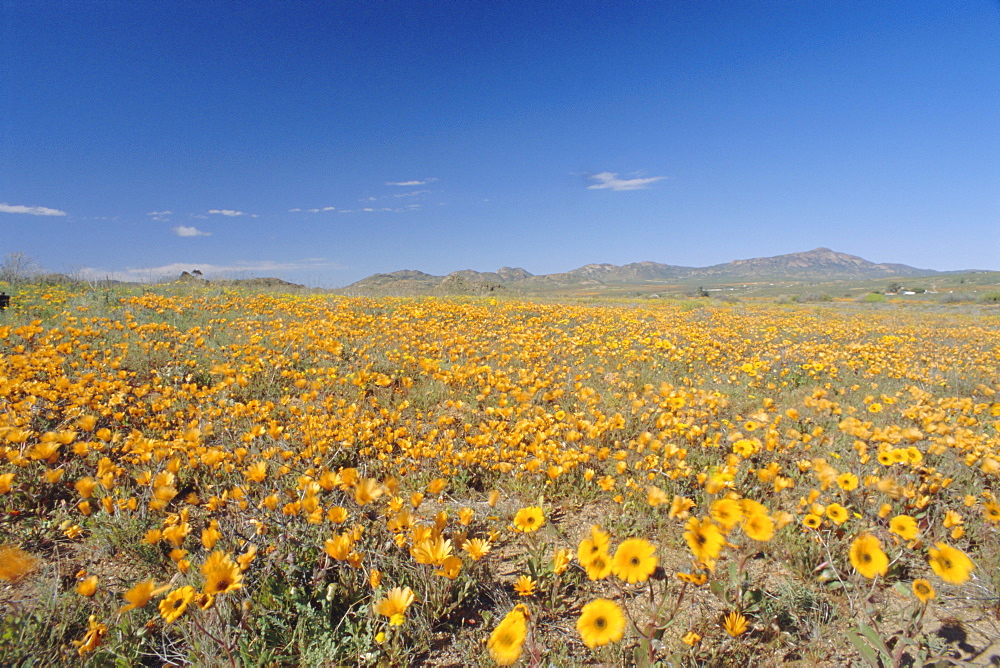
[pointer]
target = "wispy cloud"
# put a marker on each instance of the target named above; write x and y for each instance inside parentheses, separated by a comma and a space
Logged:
(186, 231)
(231, 213)
(237, 270)
(160, 216)
(610, 181)
(30, 210)
(415, 182)
(323, 209)
(382, 209)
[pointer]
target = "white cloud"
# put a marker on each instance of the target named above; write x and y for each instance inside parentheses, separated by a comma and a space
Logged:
(237, 270)
(411, 183)
(231, 213)
(314, 210)
(610, 181)
(160, 216)
(185, 231)
(30, 210)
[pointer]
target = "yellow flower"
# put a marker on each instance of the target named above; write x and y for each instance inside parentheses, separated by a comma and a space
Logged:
(6, 482)
(867, 556)
(634, 560)
(139, 595)
(477, 548)
(759, 527)
(680, 506)
(247, 558)
(923, 590)
(394, 605)
(87, 587)
(92, 638)
(951, 564)
(812, 521)
(847, 482)
(704, 539)
(691, 638)
(692, 578)
(367, 490)
(904, 526)
(432, 551)
(508, 637)
(599, 566)
(601, 622)
(991, 512)
(655, 496)
(450, 567)
(176, 602)
(734, 623)
(837, 513)
(529, 519)
(15, 563)
(561, 560)
(726, 513)
(525, 586)
(222, 574)
(465, 516)
(596, 544)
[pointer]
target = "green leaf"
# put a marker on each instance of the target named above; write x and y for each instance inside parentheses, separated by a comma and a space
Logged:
(873, 637)
(864, 649)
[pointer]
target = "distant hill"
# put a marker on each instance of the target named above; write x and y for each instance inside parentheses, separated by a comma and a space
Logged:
(819, 264)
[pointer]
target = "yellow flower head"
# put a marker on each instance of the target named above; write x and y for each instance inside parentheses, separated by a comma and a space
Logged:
(726, 513)
(176, 602)
(951, 564)
(508, 637)
(867, 556)
(704, 539)
(735, 624)
(525, 585)
(561, 560)
(847, 482)
(87, 587)
(759, 527)
(904, 526)
(394, 605)
(15, 563)
(92, 638)
(923, 590)
(634, 560)
(477, 548)
(596, 544)
(837, 513)
(529, 519)
(601, 622)
(222, 574)
(139, 595)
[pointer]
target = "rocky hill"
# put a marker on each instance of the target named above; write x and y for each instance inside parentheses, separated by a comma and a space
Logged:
(819, 264)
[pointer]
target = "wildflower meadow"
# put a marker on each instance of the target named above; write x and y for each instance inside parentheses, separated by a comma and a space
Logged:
(193, 474)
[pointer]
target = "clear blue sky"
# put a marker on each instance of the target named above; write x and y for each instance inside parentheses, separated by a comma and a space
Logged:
(325, 141)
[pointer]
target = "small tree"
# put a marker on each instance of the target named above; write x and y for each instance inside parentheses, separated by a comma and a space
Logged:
(17, 268)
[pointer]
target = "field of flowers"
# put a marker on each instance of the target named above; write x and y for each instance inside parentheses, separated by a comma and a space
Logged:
(200, 475)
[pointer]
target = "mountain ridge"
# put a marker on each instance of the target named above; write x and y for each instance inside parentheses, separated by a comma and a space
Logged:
(817, 264)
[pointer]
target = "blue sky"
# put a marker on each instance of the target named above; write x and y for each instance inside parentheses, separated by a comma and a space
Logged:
(325, 141)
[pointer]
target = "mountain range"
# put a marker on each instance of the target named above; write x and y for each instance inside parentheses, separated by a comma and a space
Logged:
(819, 264)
